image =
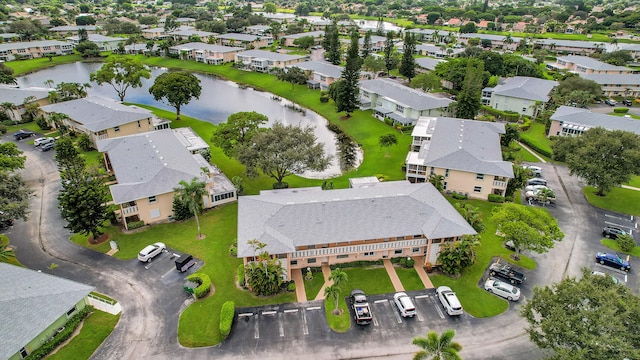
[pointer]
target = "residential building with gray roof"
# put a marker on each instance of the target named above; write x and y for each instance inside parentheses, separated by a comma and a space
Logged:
(627, 85)
(148, 167)
(466, 153)
(34, 49)
(401, 104)
(206, 53)
(586, 65)
(574, 47)
(247, 41)
(571, 121)
(264, 61)
(310, 226)
(521, 94)
(33, 306)
(290, 39)
(19, 96)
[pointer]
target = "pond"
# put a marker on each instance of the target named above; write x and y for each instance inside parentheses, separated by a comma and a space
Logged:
(219, 99)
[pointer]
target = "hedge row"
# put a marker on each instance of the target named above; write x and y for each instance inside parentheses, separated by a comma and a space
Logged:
(226, 317)
(135, 225)
(535, 147)
(241, 279)
(510, 116)
(621, 110)
(65, 334)
(204, 284)
(495, 198)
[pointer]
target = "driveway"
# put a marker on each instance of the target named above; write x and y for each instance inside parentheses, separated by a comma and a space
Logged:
(148, 326)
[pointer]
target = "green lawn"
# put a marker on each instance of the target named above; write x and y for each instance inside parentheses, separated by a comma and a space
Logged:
(635, 181)
(409, 279)
(536, 135)
(95, 328)
(313, 286)
(613, 244)
(633, 116)
(21, 67)
(524, 155)
(4, 240)
(620, 200)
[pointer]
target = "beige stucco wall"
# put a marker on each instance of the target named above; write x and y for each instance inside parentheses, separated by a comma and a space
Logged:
(555, 128)
(464, 182)
(127, 129)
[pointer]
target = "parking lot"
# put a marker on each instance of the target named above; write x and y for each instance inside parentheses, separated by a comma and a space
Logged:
(163, 267)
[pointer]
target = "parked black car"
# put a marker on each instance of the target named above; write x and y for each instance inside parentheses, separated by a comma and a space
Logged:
(610, 102)
(612, 232)
(23, 134)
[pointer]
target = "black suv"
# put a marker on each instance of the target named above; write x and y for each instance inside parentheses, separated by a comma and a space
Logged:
(613, 232)
(627, 102)
(23, 134)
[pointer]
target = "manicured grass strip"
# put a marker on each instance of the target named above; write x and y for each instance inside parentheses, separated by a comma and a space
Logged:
(338, 323)
(409, 279)
(524, 155)
(313, 286)
(21, 67)
(613, 245)
(624, 201)
(96, 327)
(536, 136)
(635, 181)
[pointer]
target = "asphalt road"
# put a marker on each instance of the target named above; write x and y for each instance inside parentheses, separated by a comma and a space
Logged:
(151, 301)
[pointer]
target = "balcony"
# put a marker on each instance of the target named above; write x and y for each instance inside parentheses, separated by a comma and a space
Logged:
(129, 210)
(355, 249)
(499, 184)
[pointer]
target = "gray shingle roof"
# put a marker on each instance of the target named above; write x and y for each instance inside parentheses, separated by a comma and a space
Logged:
(240, 37)
(488, 37)
(97, 113)
(149, 164)
(528, 88)
(465, 145)
(207, 47)
(428, 32)
(300, 35)
(584, 117)
(571, 43)
(98, 38)
(613, 79)
(74, 28)
(322, 68)
(17, 95)
(428, 63)
(269, 55)
(192, 32)
(404, 95)
(590, 63)
(302, 217)
(28, 44)
(30, 302)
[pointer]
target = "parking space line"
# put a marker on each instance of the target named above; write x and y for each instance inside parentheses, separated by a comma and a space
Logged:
(268, 312)
(380, 301)
(421, 296)
(245, 314)
(305, 328)
(616, 224)
(256, 329)
(280, 327)
(167, 273)
(419, 316)
(625, 277)
(375, 321)
(290, 311)
(394, 308)
(314, 308)
(437, 306)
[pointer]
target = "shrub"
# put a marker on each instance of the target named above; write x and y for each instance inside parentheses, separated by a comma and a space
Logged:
(526, 125)
(3, 129)
(233, 248)
(621, 110)
(280, 185)
(241, 280)
(535, 148)
(180, 210)
(84, 142)
(204, 284)
(135, 225)
(7, 123)
(388, 121)
(291, 286)
(626, 243)
(61, 337)
(226, 317)
(459, 196)
(508, 198)
(407, 262)
(42, 123)
(324, 97)
(495, 198)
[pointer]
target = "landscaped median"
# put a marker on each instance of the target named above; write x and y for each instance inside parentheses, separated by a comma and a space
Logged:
(620, 200)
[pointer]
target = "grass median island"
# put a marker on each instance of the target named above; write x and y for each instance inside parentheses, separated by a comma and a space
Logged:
(620, 200)
(613, 245)
(95, 328)
(409, 279)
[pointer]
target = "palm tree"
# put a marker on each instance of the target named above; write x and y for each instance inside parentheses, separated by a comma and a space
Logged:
(48, 83)
(338, 276)
(437, 181)
(191, 194)
(31, 108)
(8, 108)
(437, 348)
(6, 252)
(333, 292)
(386, 141)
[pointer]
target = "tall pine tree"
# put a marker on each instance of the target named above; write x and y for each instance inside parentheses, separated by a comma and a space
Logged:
(471, 93)
(366, 45)
(408, 63)
(334, 51)
(389, 61)
(348, 92)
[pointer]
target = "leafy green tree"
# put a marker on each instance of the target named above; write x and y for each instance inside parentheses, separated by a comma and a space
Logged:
(11, 158)
(191, 194)
(88, 49)
(389, 49)
(6, 75)
(282, 151)
(14, 197)
(237, 131)
(293, 75)
(511, 134)
(304, 42)
(177, 88)
(604, 159)
(472, 215)
(437, 181)
(68, 91)
(332, 44)
(561, 94)
(374, 64)
(619, 58)
(264, 273)
(590, 318)
(469, 98)
(83, 204)
(519, 179)
(468, 28)
(437, 347)
(8, 109)
(386, 141)
(348, 91)
(121, 73)
(408, 62)
(529, 228)
(426, 81)
(269, 7)
(626, 242)
(366, 45)
(71, 165)
(456, 256)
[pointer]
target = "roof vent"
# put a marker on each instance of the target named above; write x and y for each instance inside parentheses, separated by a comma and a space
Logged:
(165, 164)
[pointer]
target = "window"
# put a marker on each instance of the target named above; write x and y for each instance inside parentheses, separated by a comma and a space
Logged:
(23, 353)
(369, 253)
(311, 261)
(343, 256)
(415, 250)
(444, 185)
(399, 108)
(397, 251)
(71, 311)
(432, 172)
(138, 123)
(293, 262)
(365, 95)
(446, 173)
(477, 189)
(152, 199)
(479, 176)
(220, 197)
(323, 78)
(524, 109)
(116, 129)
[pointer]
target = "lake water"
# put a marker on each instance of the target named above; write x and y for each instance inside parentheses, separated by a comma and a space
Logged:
(219, 99)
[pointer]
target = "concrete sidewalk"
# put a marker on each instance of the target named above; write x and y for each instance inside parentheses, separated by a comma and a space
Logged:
(296, 274)
(326, 272)
(391, 271)
(419, 267)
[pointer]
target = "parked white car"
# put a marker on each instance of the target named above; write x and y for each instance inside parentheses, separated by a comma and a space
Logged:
(404, 304)
(535, 187)
(502, 289)
(43, 140)
(151, 251)
(449, 300)
(535, 170)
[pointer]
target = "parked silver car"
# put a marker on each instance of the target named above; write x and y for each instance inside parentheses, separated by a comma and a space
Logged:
(404, 304)
(43, 141)
(502, 289)
(449, 301)
(151, 251)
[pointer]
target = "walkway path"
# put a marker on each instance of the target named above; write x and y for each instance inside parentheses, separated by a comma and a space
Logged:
(532, 152)
(296, 274)
(326, 272)
(419, 267)
(630, 187)
(391, 271)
